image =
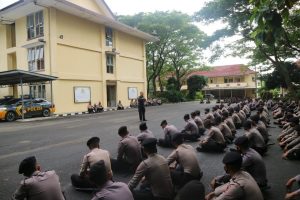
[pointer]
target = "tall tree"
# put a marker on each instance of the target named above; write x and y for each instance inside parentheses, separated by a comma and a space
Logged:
(177, 48)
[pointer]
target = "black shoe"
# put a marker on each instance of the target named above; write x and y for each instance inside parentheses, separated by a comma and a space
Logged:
(199, 149)
(145, 120)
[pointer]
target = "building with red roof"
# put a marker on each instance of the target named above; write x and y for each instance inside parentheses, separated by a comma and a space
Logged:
(229, 81)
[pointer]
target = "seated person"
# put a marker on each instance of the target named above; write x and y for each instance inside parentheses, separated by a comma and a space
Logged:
(108, 190)
(290, 195)
(208, 114)
(214, 141)
(120, 106)
(261, 127)
(99, 107)
(256, 140)
(133, 103)
(81, 180)
(228, 120)
(190, 131)
(240, 186)
(252, 161)
(292, 150)
(153, 174)
(187, 165)
(129, 152)
(196, 117)
(90, 108)
(169, 131)
(145, 132)
(37, 184)
(236, 119)
(224, 129)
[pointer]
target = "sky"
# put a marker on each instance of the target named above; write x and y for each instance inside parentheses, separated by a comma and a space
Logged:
(131, 7)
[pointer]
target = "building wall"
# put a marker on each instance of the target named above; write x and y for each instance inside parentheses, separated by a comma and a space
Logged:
(75, 52)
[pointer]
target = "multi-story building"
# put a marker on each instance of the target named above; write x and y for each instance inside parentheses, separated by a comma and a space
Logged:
(95, 57)
(230, 81)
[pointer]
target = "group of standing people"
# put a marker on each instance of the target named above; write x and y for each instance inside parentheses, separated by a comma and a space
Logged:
(178, 176)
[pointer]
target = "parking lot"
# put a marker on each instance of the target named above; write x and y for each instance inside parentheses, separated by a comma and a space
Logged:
(60, 144)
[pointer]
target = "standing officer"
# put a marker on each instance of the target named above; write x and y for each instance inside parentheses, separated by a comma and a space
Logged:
(37, 184)
(241, 184)
(141, 107)
(157, 184)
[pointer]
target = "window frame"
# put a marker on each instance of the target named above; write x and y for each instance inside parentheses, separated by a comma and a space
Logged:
(35, 25)
(109, 36)
(110, 63)
(37, 91)
(36, 59)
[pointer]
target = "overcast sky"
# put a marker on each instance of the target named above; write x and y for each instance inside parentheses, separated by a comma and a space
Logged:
(131, 7)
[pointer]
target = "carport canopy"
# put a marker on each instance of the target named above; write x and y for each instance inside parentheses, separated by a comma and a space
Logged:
(13, 77)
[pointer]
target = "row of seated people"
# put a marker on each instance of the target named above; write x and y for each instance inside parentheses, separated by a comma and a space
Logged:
(287, 116)
(157, 176)
(149, 102)
(96, 108)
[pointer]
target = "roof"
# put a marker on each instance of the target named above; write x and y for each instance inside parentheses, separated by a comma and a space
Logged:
(25, 7)
(226, 70)
(13, 77)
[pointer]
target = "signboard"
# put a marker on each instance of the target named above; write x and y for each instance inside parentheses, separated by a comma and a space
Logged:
(132, 93)
(82, 94)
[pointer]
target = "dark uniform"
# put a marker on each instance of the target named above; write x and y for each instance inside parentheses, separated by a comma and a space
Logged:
(141, 108)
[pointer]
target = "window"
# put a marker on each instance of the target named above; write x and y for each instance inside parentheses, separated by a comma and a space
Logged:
(110, 63)
(35, 25)
(211, 80)
(108, 36)
(36, 58)
(37, 91)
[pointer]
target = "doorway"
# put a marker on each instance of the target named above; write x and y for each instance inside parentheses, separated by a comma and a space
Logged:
(111, 95)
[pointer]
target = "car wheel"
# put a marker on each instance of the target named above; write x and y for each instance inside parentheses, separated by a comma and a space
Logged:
(10, 116)
(46, 113)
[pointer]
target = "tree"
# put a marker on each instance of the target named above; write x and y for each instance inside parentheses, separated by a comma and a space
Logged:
(271, 36)
(195, 83)
(178, 47)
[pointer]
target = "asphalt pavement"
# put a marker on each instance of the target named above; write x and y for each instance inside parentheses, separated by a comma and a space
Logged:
(60, 144)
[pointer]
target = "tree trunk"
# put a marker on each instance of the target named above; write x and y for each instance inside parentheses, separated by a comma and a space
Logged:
(160, 84)
(154, 85)
(282, 69)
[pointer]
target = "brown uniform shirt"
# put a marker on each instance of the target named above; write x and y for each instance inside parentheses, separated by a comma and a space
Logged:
(156, 171)
(40, 186)
(130, 150)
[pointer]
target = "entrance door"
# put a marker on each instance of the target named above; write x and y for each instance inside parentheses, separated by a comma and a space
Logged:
(111, 95)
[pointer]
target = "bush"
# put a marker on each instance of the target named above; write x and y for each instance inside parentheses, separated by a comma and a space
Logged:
(199, 96)
(173, 96)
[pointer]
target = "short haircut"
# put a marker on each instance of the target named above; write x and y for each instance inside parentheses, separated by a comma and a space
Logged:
(193, 114)
(255, 118)
(225, 114)
(247, 124)
(27, 166)
(207, 123)
(149, 145)
(233, 159)
(143, 126)
(242, 142)
(123, 131)
(163, 122)
(98, 173)
(218, 120)
(197, 112)
(206, 109)
(186, 117)
(94, 141)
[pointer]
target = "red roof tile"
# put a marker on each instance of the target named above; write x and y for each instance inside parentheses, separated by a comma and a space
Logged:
(226, 70)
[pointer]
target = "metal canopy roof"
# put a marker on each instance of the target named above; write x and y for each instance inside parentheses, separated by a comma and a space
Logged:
(13, 77)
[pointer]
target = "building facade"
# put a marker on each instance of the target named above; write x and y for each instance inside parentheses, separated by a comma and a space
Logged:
(230, 81)
(95, 57)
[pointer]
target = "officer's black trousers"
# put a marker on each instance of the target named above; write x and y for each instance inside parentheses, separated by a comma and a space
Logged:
(81, 182)
(122, 166)
(142, 111)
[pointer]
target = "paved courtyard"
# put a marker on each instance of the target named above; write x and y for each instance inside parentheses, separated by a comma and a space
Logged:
(60, 144)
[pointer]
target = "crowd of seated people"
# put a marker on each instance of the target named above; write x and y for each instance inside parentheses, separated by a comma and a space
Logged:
(96, 108)
(178, 176)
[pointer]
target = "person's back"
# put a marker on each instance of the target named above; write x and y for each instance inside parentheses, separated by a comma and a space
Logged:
(130, 150)
(216, 135)
(96, 155)
(113, 191)
(255, 138)
(254, 164)
(191, 127)
(41, 185)
(157, 174)
(145, 134)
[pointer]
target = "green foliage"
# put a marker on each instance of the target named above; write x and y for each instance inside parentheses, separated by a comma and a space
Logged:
(199, 96)
(178, 48)
(195, 83)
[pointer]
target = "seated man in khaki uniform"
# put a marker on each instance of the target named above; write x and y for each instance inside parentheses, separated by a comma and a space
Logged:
(37, 185)
(153, 174)
(214, 141)
(169, 131)
(187, 165)
(108, 190)
(81, 180)
(241, 184)
(129, 153)
(190, 131)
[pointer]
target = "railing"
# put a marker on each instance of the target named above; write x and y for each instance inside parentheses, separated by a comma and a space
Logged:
(229, 85)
